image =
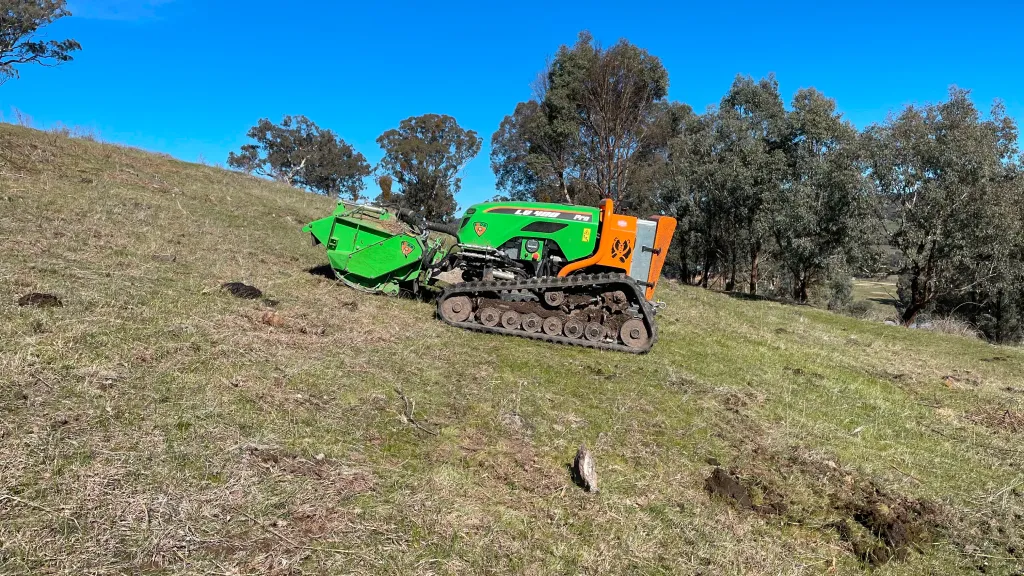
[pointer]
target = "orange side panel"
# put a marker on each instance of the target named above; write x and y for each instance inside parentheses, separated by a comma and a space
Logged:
(662, 240)
(618, 240)
(615, 245)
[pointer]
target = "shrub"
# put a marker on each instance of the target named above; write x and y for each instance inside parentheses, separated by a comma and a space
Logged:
(840, 291)
(859, 309)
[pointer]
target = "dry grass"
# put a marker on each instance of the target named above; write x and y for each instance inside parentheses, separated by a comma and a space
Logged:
(155, 423)
(953, 326)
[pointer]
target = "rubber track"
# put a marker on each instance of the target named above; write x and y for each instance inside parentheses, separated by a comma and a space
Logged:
(621, 281)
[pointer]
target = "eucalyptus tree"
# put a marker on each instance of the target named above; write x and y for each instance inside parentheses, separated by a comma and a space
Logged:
(20, 44)
(424, 157)
(300, 153)
(817, 217)
(580, 138)
(939, 173)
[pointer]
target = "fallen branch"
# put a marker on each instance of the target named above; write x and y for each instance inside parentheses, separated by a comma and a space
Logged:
(908, 475)
(410, 407)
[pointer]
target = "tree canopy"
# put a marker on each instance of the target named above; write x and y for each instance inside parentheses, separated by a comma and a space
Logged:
(299, 153)
(424, 156)
(945, 187)
(579, 139)
(20, 23)
(817, 216)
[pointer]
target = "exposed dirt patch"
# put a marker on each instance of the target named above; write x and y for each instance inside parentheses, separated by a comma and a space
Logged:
(738, 401)
(878, 524)
(883, 526)
(729, 487)
(514, 422)
(961, 379)
(512, 462)
(746, 493)
(319, 520)
(99, 378)
(40, 300)
(895, 377)
(242, 290)
(323, 271)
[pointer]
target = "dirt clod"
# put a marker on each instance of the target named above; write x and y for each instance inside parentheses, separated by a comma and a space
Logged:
(242, 290)
(883, 527)
(514, 422)
(40, 300)
(729, 487)
(271, 318)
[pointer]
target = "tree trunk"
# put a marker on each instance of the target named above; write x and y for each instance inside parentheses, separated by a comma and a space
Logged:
(755, 254)
(800, 290)
(708, 260)
(799, 286)
(731, 284)
(999, 316)
(684, 265)
(918, 300)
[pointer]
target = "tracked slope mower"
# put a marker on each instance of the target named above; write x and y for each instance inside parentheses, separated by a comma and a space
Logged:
(566, 274)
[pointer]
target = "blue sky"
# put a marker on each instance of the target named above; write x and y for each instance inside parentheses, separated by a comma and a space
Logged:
(189, 77)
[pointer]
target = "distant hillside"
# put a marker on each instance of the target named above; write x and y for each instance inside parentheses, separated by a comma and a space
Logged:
(155, 423)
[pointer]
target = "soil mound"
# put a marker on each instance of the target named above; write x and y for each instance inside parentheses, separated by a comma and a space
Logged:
(40, 300)
(242, 290)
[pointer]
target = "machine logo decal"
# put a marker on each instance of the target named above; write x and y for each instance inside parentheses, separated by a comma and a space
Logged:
(621, 249)
(586, 234)
(406, 248)
(554, 214)
(479, 228)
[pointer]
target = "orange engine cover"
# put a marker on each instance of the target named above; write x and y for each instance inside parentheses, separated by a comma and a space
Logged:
(617, 246)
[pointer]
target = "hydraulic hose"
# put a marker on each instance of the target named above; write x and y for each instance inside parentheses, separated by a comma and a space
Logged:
(449, 229)
(415, 220)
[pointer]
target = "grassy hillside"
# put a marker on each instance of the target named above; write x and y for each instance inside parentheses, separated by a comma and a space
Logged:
(155, 423)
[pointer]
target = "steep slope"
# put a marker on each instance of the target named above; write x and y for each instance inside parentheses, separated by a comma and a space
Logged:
(156, 423)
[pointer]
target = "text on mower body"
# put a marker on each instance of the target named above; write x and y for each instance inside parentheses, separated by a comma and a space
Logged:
(551, 214)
